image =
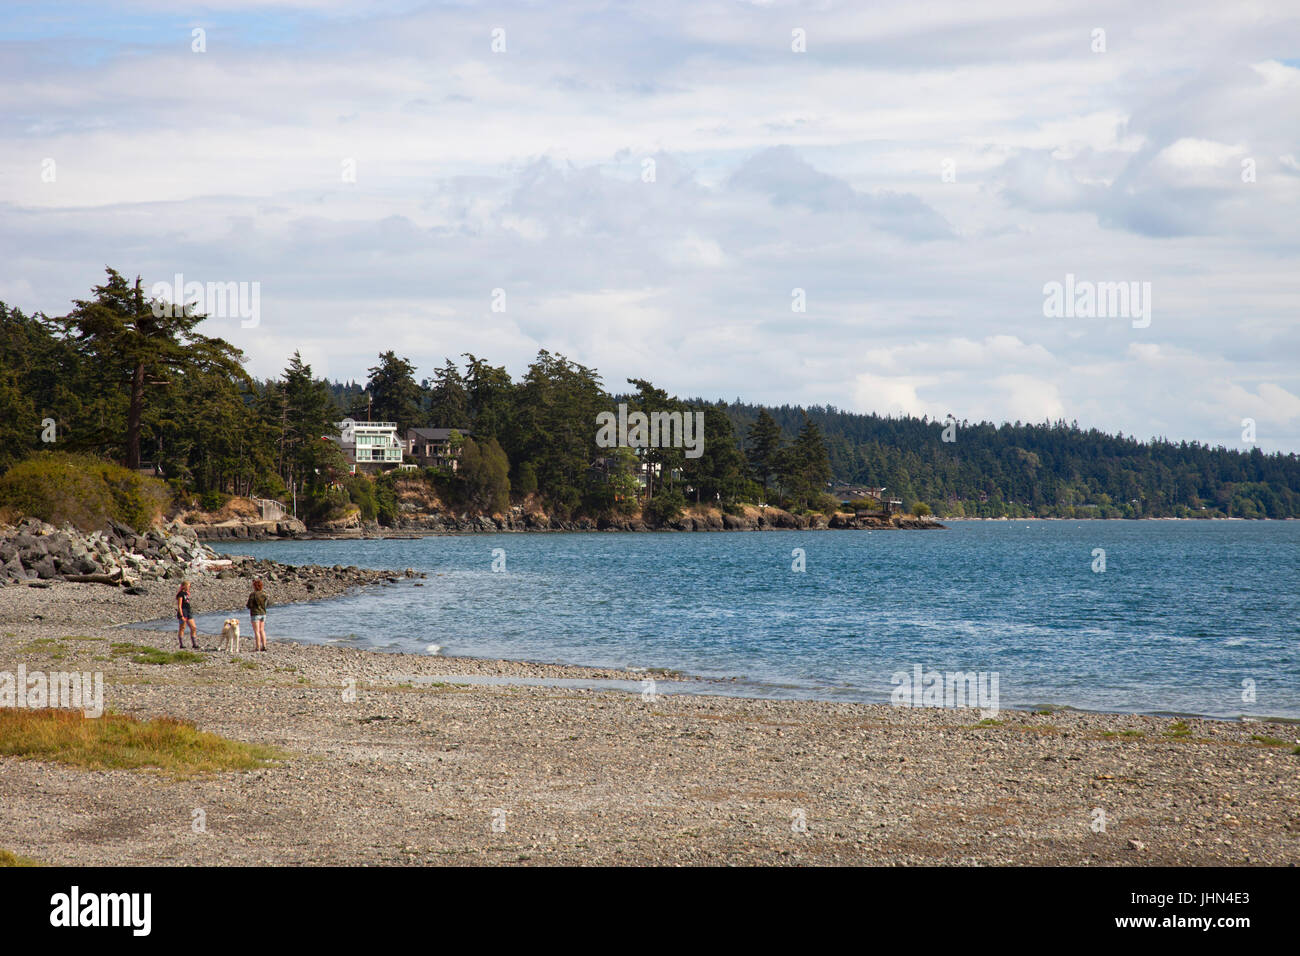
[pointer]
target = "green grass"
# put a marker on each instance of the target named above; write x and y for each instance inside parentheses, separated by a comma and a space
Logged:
(1122, 733)
(13, 859)
(1178, 728)
(990, 722)
(1270, 741)
(121, 742)
(144, 654)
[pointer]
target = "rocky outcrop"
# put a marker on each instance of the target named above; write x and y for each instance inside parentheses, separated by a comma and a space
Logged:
(34, 553)
(696, 519)
(892, 522)
(239, 530)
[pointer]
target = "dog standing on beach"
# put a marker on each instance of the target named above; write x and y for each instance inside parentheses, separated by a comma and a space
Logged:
(230, 636)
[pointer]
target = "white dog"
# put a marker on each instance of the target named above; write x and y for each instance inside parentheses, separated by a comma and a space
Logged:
(230, 636)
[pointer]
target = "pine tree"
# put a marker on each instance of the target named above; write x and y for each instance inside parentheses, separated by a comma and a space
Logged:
(393, 394)
(764, 440)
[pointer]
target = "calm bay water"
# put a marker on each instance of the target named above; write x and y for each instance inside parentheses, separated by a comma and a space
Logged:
(1182, 615)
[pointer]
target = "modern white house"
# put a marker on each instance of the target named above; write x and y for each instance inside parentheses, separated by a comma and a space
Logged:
(370, 445)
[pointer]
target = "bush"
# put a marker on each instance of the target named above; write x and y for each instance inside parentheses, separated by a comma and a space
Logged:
(826, 504)
(664, 507)
(271, 486)
(213, 500)
(920, 509)
(386, 499)
(83, 491)
(484, 476)
(362, 494)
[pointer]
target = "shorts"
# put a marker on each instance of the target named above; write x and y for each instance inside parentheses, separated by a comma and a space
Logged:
(257, 617)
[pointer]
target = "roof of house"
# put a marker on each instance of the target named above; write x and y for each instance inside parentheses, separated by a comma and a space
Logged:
(434, 434)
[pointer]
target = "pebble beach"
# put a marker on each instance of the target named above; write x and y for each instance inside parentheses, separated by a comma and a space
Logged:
(415, 768)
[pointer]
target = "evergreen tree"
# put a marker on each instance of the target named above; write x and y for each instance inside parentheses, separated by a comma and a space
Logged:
(138, 344)
(764, 442)
(448, 400)
(393, 394)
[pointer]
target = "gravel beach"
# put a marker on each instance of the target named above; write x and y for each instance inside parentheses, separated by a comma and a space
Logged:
(420, 770)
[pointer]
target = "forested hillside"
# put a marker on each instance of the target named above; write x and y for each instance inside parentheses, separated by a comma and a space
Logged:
(114, 380)
(1055, 469)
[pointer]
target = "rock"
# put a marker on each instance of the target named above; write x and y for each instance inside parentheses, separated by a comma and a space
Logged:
(45, 568)
(1137, 845)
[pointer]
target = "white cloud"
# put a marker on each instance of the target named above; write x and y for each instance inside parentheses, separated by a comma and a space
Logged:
(774, 170)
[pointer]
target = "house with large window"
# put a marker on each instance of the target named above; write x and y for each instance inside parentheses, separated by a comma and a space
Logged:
(370, 446)
(436, 447)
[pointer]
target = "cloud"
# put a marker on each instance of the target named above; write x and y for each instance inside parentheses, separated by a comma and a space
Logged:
(773, 170)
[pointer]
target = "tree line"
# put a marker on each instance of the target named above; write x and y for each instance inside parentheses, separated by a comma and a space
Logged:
(123, 380)
(114, 379)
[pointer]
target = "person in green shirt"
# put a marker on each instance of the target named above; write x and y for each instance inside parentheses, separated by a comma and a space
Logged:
(257, 613)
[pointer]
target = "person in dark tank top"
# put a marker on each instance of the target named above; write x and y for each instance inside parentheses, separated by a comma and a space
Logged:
(185, 615)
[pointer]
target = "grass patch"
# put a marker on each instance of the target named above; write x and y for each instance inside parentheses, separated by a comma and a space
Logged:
(13, 859)
(1178, 728)
(144, 654)
(1269, 741)
(990, 722)
(122, 742)
(45, 645)
(1123, 733)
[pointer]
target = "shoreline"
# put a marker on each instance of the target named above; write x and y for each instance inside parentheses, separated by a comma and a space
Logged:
(410, 534)
(730, 686)
(418, 768)
(734, 683)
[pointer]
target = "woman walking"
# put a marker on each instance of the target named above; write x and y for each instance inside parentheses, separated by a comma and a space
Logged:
(185, 615)
(257, 614)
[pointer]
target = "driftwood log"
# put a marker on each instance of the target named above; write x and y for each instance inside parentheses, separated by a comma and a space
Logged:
(114, 579)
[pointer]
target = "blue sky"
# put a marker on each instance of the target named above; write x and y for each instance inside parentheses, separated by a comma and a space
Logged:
(920, 173)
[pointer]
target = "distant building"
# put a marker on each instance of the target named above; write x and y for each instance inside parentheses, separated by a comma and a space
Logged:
(370, 446)
(432, 447)
(866, 501)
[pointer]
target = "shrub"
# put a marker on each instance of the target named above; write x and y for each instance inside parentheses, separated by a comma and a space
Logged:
(484, 475)
(386, 499)
(664, 507)
(213, 500)
(361, 492)
(826, 504)
(83, 491)
(920, 509)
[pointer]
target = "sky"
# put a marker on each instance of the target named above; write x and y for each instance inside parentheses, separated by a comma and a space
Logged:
(861, 205)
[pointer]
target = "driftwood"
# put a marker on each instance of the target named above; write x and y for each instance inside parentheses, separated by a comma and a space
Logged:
(114, 579)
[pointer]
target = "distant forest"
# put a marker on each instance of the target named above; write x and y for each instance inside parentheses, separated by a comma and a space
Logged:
(113, 380)
(1047, 470)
